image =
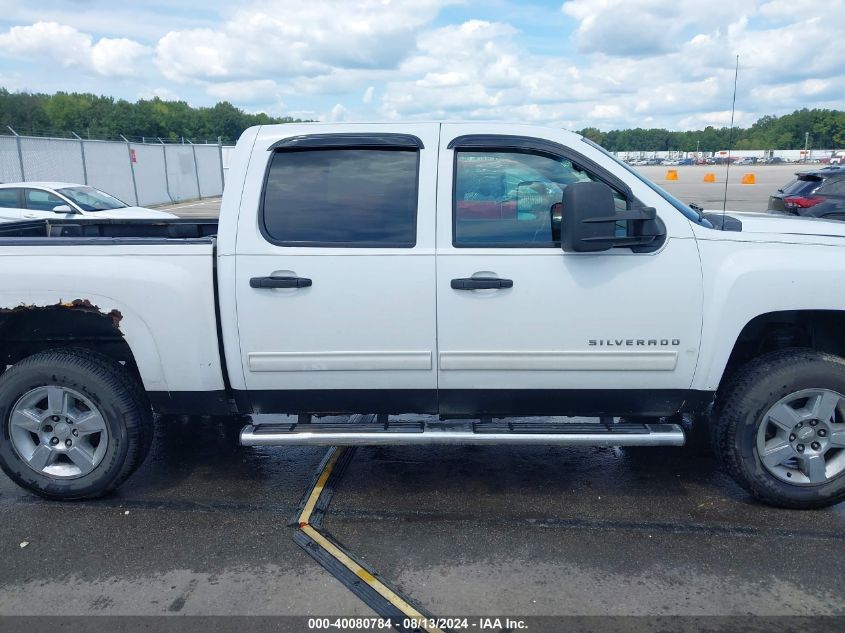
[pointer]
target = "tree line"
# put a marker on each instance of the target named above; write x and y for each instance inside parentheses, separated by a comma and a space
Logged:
(100, 117)
(103, 117)
(826, 129)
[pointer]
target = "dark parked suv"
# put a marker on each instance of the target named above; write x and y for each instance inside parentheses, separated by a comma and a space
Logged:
(816, 194)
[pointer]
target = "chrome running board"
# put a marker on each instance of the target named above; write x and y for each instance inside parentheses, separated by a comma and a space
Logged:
(495, 432)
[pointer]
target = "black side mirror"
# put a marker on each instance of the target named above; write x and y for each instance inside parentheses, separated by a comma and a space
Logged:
(590, 217)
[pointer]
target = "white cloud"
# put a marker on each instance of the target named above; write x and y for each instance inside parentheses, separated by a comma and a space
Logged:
(281, 39)
(792, 52)
(786, 10)
(64, 45)
(612, 63)
(141, 21)
(605, 111)
(816, 89)
(478, 70)
(721, 118)
(246, 92)
(337, 113)
(682, 76)
(165, 94)
(199, 53)
(640, 28)
(456, 68)
(116, 56)
(337, 82)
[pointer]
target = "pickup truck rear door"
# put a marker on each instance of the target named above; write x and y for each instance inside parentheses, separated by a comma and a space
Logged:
(524, 328)
(335, 286)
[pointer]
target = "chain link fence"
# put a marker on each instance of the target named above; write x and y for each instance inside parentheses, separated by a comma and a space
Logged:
(143, 174)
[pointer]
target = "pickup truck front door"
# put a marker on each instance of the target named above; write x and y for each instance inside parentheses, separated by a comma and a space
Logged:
(524, 328)
(335, 286)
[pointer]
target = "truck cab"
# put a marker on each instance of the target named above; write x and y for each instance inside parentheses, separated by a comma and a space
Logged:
(419, 267)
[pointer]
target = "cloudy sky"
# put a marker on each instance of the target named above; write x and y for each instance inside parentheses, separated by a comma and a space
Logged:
(605, 63)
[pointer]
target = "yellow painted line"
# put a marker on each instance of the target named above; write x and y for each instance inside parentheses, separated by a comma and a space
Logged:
(317, 490)
(343, 558)
(366, 576)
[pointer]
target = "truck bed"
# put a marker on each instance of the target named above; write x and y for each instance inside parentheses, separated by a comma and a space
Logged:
(152, 282)
(115, 230)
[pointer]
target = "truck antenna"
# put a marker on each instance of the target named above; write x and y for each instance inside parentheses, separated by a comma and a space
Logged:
(730, 145)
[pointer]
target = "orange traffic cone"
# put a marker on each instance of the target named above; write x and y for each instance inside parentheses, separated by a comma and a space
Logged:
(709, 177)
(749, 179)
(672, 174)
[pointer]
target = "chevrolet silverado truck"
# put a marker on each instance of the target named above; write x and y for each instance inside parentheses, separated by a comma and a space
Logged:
(485, 273)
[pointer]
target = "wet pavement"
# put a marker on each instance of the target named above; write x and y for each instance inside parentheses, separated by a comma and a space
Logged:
(202, 528)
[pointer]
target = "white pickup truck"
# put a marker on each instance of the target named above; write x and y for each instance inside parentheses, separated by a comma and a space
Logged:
(475, 271)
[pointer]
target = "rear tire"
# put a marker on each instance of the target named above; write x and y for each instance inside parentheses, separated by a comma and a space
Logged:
(780, 430)
(75, 424)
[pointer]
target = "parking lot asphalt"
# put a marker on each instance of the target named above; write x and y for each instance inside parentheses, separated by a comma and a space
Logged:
(689, 187)
(203, 528)
(205, 208)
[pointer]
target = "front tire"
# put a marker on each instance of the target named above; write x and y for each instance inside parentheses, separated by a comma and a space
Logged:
(75, 424)
(780, 430)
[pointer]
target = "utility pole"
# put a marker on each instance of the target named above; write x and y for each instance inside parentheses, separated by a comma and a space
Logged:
(806, 144)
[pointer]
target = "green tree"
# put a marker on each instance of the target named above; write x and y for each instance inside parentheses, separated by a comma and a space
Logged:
(825, 127)
(106, 117)
(593, 133)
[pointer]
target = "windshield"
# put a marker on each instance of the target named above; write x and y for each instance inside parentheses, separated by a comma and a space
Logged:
(90, 199)
(684, 208)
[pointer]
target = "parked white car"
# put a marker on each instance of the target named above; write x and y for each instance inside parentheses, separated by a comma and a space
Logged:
(64, 200)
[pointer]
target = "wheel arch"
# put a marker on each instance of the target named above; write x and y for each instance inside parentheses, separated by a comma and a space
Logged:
(821, 330)
(95, 323)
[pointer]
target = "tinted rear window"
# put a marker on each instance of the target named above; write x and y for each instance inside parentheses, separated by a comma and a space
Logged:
(342, 197)
(800, 187)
